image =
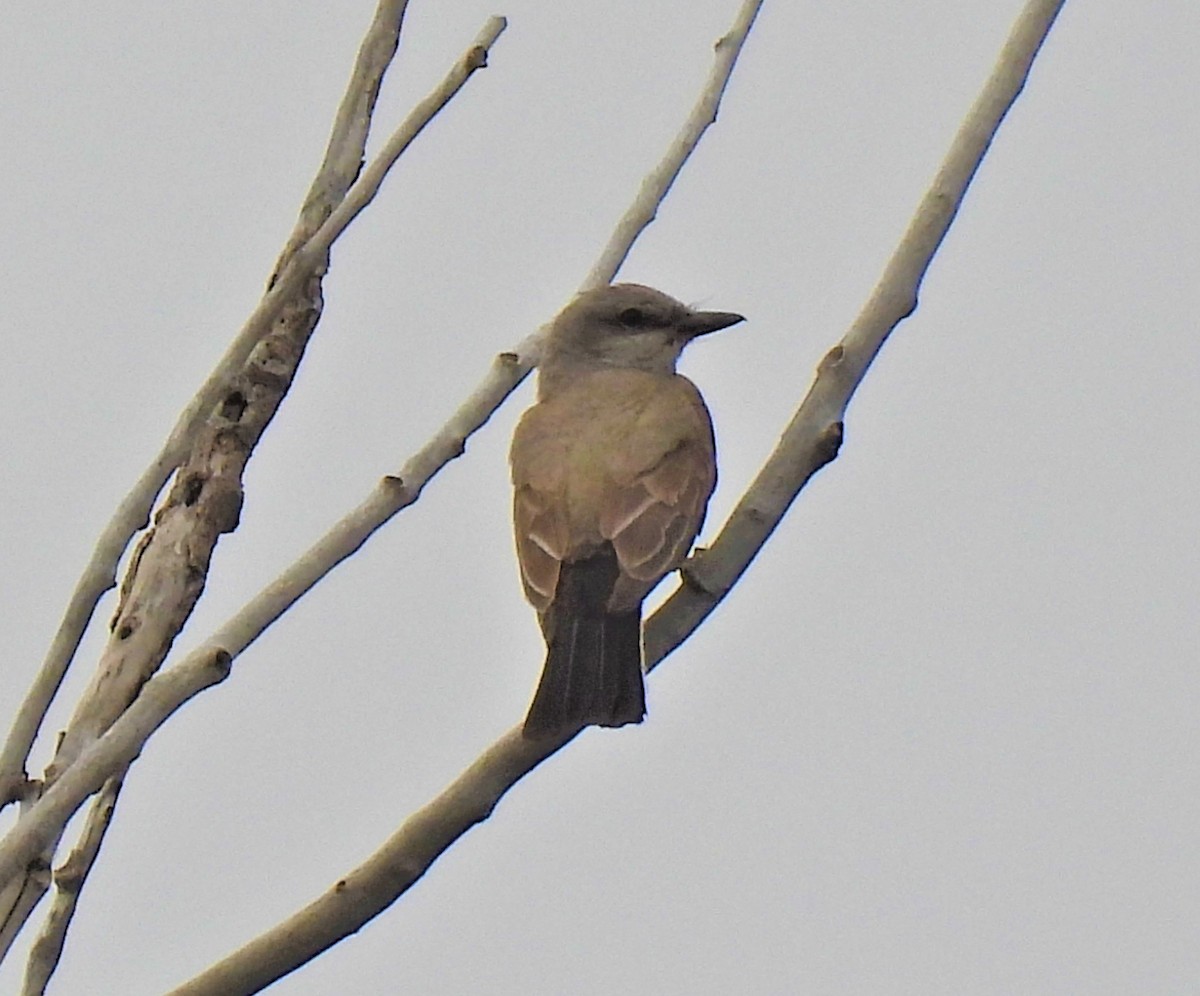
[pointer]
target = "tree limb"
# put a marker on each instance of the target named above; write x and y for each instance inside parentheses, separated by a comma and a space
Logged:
(814, 434)
(656, 185)
(169, 568)
(159, 593)
(341, 165)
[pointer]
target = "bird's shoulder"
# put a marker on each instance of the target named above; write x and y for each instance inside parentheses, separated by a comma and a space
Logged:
(604, 401)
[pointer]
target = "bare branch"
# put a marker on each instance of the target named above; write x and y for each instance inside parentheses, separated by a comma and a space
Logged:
(69, 879)
(170, 569)
(19, 897)
(43, 822)
(814, 434)
(810, 441)
(167, 692)
(393, 494)
(376, 884)
(352, 123)
(301, 258)
(656, 185)
(168, 572)
(343, 159)
(341, 165)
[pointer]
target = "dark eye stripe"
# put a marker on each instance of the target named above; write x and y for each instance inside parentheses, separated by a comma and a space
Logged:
(638, 318)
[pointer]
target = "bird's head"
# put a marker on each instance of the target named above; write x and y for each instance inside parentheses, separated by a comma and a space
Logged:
(630, 326)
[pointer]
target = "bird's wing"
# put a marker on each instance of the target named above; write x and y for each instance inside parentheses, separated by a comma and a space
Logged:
(659, 492)
(652, 520)
(539, 471)
(541, 532)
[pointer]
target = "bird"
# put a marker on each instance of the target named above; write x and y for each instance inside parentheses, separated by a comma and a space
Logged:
(612, 469)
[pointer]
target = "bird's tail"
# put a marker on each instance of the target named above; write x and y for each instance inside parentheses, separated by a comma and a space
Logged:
(593, 670)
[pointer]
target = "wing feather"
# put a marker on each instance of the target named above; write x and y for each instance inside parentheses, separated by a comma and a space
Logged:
(671, 497)
(626, 458)
(541, 545)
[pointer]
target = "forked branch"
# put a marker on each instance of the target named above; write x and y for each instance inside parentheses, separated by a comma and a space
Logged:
(169, 569)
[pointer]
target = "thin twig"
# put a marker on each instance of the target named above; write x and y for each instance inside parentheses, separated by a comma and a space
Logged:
(20, 896)
(656, 185)
(124, 740)
(69, 879)
(352, 123)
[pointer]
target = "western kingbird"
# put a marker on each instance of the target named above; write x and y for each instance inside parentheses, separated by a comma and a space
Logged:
(612, 470)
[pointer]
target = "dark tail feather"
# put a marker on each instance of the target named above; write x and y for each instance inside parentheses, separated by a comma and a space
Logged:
(593, 670)
(592, 676)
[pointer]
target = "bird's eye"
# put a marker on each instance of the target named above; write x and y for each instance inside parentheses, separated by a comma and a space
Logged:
(633, 317)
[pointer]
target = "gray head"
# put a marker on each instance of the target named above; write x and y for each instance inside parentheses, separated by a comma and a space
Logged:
(628, 326)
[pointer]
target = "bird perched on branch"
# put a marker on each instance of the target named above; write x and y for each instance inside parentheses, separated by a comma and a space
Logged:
(612, 470)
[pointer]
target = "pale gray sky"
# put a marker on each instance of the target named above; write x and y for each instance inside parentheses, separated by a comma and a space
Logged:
(942, 739)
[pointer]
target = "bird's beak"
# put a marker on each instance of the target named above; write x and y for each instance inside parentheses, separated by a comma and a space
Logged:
(702, 322)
